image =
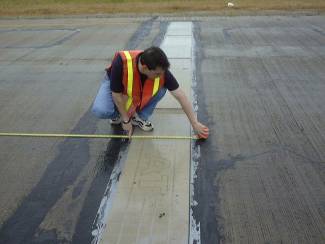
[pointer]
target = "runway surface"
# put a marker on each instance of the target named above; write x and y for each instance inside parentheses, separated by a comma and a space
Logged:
(259, 85)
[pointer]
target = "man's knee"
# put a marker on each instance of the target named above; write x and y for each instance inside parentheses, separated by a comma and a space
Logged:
(162, 92)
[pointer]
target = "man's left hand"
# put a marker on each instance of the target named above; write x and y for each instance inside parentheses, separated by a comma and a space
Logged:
(202, 130)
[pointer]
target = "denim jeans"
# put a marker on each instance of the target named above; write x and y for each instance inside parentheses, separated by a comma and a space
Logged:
(104, 107)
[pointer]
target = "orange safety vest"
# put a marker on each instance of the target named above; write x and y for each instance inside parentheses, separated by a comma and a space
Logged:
(138, 95)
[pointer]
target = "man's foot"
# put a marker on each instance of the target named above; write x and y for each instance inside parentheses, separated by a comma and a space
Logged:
(143, 124)
(116, 121)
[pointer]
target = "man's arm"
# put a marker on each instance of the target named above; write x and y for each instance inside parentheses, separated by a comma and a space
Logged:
(120, 104)
(181, 97)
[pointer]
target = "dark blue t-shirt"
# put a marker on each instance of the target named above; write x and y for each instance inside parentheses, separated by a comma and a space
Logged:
(116, 76)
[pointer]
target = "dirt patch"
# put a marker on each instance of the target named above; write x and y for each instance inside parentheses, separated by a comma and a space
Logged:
(77, 7)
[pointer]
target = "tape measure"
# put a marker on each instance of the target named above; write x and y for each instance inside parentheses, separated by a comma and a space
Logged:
(9, 134)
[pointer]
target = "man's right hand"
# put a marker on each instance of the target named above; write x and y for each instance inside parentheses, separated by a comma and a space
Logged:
(128, 128)
(120, 104)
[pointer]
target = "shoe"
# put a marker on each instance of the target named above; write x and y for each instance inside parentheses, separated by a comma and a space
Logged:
(143, 124)
(116, 121)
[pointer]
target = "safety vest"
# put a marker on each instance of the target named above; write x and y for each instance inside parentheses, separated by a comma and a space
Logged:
(138, 95)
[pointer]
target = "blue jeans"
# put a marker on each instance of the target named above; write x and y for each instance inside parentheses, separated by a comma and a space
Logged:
(104, 107)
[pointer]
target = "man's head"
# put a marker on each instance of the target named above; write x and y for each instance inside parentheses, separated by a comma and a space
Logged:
(153, 62)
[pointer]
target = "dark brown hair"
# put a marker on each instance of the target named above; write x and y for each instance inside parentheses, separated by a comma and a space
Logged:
(154, 57)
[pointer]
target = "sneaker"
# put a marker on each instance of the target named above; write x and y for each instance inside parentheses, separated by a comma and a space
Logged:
(143, 124)
(116, 121)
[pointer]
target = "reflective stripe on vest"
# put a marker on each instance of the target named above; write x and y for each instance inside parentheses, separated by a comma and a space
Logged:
(155, 86)
(130, 79)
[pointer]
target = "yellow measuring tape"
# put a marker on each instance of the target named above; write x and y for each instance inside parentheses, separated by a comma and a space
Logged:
(96, 136)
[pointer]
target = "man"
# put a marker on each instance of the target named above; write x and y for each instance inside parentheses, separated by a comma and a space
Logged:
(135, 82)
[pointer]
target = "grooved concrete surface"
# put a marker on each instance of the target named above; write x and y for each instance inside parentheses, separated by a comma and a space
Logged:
(51, 189)
(151, 203)
(260, 88)
(262, 172)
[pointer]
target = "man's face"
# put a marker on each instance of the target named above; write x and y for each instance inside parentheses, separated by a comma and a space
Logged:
(154, 73)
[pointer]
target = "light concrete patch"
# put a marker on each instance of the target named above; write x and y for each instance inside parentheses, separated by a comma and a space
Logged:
(182, 70)
(151, 204)
(152, 195)
(178, 43)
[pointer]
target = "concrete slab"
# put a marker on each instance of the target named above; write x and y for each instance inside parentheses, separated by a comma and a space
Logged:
(151, 203)
(152, 195)
(262, 87)
(182, 71)
(9, 55)
(49, 87)
(177, 47)
(34, 38)
(180, 28)
(178, 42)
(260, 176)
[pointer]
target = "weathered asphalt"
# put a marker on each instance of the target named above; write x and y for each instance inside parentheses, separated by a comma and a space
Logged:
(260, 86)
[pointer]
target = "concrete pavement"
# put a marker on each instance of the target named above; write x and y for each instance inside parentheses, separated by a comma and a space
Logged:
(151, 202)
(259, 86)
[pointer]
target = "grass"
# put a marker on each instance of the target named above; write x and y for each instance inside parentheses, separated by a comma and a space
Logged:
(77, 7)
